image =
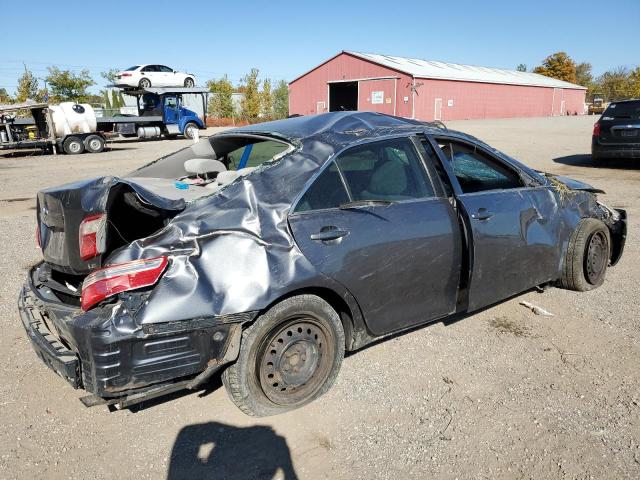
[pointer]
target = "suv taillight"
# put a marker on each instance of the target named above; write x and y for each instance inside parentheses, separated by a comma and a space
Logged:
(109, 281)
(92, 236)
(596, 129)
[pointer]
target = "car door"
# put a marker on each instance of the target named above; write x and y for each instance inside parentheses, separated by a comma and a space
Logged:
(513, 221)
(168, 77)
(151, 72)
(373, 221)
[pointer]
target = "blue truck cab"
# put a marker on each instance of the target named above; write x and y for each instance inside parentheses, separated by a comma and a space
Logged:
(176, 118)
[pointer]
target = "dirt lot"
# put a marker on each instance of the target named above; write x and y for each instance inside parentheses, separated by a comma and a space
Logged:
(501, 394)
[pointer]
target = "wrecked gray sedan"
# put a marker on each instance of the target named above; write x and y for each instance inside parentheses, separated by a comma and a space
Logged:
(266, 252)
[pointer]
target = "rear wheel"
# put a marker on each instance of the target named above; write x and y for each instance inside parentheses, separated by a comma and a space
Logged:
(189, 82)
(190, 130)
(144, 83)
(290, 356)
(72, 146)
(94, 144)
(587, 257)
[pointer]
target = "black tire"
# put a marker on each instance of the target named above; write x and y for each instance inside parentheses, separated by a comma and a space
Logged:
(288, 357)
(588, 255)
(189, 130)
(73, 145)
(144, 83)
(189, 82)
(94, 144)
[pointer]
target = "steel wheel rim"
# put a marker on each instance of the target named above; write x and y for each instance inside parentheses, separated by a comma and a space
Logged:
(596, 259)
(145, 83)
(190, 131)
(74, 147)
(188, 83)
(94, 144)
(295, 360)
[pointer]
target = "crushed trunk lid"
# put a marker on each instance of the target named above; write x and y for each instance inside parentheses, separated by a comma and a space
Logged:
(133, 210)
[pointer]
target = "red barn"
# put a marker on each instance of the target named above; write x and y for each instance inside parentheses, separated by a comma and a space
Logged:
(429, 90)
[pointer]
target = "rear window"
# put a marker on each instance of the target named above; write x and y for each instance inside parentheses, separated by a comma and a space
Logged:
(623, 110)
(254, 154)
(131, 69)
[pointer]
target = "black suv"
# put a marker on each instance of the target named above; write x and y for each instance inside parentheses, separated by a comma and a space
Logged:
(617, 133)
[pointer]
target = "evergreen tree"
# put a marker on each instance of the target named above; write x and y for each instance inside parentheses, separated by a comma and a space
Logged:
(266, 99)
(27, 86)
(250, 105)
(281, 100)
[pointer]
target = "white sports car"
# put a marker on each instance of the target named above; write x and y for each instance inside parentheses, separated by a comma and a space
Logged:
(145, 76)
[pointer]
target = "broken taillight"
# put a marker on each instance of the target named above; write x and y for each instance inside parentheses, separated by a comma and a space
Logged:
(596, 129)
(38, 243)
(109, 281)
(92, 236)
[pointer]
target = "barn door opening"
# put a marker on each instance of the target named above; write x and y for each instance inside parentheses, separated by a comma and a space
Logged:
(343, 96)
(437, 114)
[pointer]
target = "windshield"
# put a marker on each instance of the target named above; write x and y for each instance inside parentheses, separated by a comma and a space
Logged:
(131, 69)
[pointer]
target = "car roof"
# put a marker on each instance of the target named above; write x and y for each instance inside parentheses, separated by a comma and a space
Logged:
(342, 128)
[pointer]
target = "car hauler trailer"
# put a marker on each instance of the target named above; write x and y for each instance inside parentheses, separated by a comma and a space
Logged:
(161, 112)
(69, 127)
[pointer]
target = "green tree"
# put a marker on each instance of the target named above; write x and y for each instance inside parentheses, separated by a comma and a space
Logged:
(521, 67)
(27, 86)
(615, 84)
(634, 83)
(250, 105)
(266, 99)
(281, 100)
(5, 98)
(220, 103)
(110, 75)
(584, 76)
(69, 86)
(115, 100)
(558, 65)
(105, 99)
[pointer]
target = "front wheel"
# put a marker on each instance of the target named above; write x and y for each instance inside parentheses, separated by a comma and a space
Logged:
(587, 257)
(189, 82)
(190, 130)
(144, 83)
(290, 356)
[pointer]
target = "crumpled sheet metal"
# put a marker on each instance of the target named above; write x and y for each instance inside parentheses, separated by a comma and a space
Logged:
(242, 230)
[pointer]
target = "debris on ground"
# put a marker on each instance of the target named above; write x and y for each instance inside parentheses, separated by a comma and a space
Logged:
(536, 309)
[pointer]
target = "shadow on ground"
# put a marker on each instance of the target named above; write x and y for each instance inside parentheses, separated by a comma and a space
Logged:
(215, 450)
(585, 160)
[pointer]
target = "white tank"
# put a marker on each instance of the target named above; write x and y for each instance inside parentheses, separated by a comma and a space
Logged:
(69, 117)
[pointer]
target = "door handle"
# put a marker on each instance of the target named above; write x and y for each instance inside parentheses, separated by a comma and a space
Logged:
(482, 214)
(329, 232)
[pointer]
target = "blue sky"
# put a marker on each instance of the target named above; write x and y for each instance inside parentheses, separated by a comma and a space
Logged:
(285, 38)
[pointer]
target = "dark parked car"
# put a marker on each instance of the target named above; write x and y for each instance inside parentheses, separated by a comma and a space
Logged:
(617, 133)
(267, 251)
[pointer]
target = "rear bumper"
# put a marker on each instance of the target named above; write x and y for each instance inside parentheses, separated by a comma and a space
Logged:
(600, 150)
(106, 352)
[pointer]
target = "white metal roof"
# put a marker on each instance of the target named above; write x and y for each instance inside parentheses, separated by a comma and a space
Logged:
(468, 73)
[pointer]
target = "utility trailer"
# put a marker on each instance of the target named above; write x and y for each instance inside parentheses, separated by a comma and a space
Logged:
(161, 112)
(68, 127)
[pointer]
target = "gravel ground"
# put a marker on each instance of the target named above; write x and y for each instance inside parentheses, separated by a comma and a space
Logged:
(501, 394)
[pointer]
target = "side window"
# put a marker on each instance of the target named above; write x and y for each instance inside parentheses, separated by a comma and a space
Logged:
(327, 191)
(477, 171)
(150, 68)
(164, 69)
(387, 170)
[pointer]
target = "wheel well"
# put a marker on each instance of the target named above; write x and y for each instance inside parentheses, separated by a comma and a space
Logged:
(336, 302)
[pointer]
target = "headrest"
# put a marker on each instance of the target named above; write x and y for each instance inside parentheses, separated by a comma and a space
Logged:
(389, 179)
(204, 165)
